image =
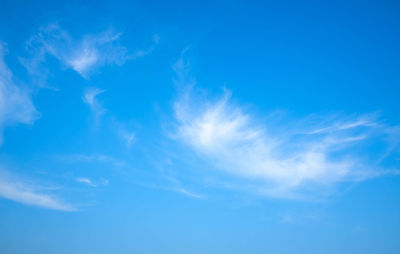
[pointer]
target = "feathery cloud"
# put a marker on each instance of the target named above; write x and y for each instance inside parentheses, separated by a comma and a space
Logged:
(89, 97)
(16, 105)
(127, 136)
(29, 194)
(83, 55)
(279, 159)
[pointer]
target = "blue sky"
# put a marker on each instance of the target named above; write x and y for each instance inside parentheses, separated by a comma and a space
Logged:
(212, 127)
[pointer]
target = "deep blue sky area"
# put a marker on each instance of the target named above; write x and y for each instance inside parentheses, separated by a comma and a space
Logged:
(199, 127)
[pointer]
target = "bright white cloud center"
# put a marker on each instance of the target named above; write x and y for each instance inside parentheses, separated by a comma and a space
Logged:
(281, 163)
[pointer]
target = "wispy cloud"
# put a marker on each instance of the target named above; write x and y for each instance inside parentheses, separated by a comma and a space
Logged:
(188, 193)
(128, 137)
(16, 105)
(89, 97)
(29, 194)
(83, 55)
(125, 132)
(176, 186)
(173, 186)
(278, 159)
(90, 182)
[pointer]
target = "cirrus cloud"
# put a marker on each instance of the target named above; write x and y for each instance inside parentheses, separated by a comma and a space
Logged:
(295, 158)
(27, 193)
(16, 105)
(83, 55)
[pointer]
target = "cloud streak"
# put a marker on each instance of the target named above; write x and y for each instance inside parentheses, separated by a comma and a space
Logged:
(16, 105)
(28, 194)
(91, 183)
(89, 97)
(290, 159)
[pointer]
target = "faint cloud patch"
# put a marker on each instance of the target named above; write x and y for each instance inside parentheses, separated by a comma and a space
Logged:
(286, 218)
(90, 98)
(188, 193)
(172, 185)
(92, 158)
(128, 137)
(16, 105)
(91, 183)
(28, 193)
(359, 229)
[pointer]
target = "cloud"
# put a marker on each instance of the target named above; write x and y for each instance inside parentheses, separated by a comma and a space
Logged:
(188, 193)
(16, 105)
(28, 194)
(280, 159)
(173, 186)
(89, 97)
(126, 135)
(89, 182)
(83, 55)
(176, 186)
(85, 181)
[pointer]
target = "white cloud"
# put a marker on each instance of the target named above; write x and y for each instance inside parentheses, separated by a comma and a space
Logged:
(83, 55)
(89, 97)
(89, 182)
(125, 131)
(176, 186)
(173, 186)
(85, 181)
(84, 60)
(275, 158)
(28, 194)
(127, 136)
(188, 193)
(15, 102)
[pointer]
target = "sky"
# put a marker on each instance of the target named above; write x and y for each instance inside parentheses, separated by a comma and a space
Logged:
(199, 127)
